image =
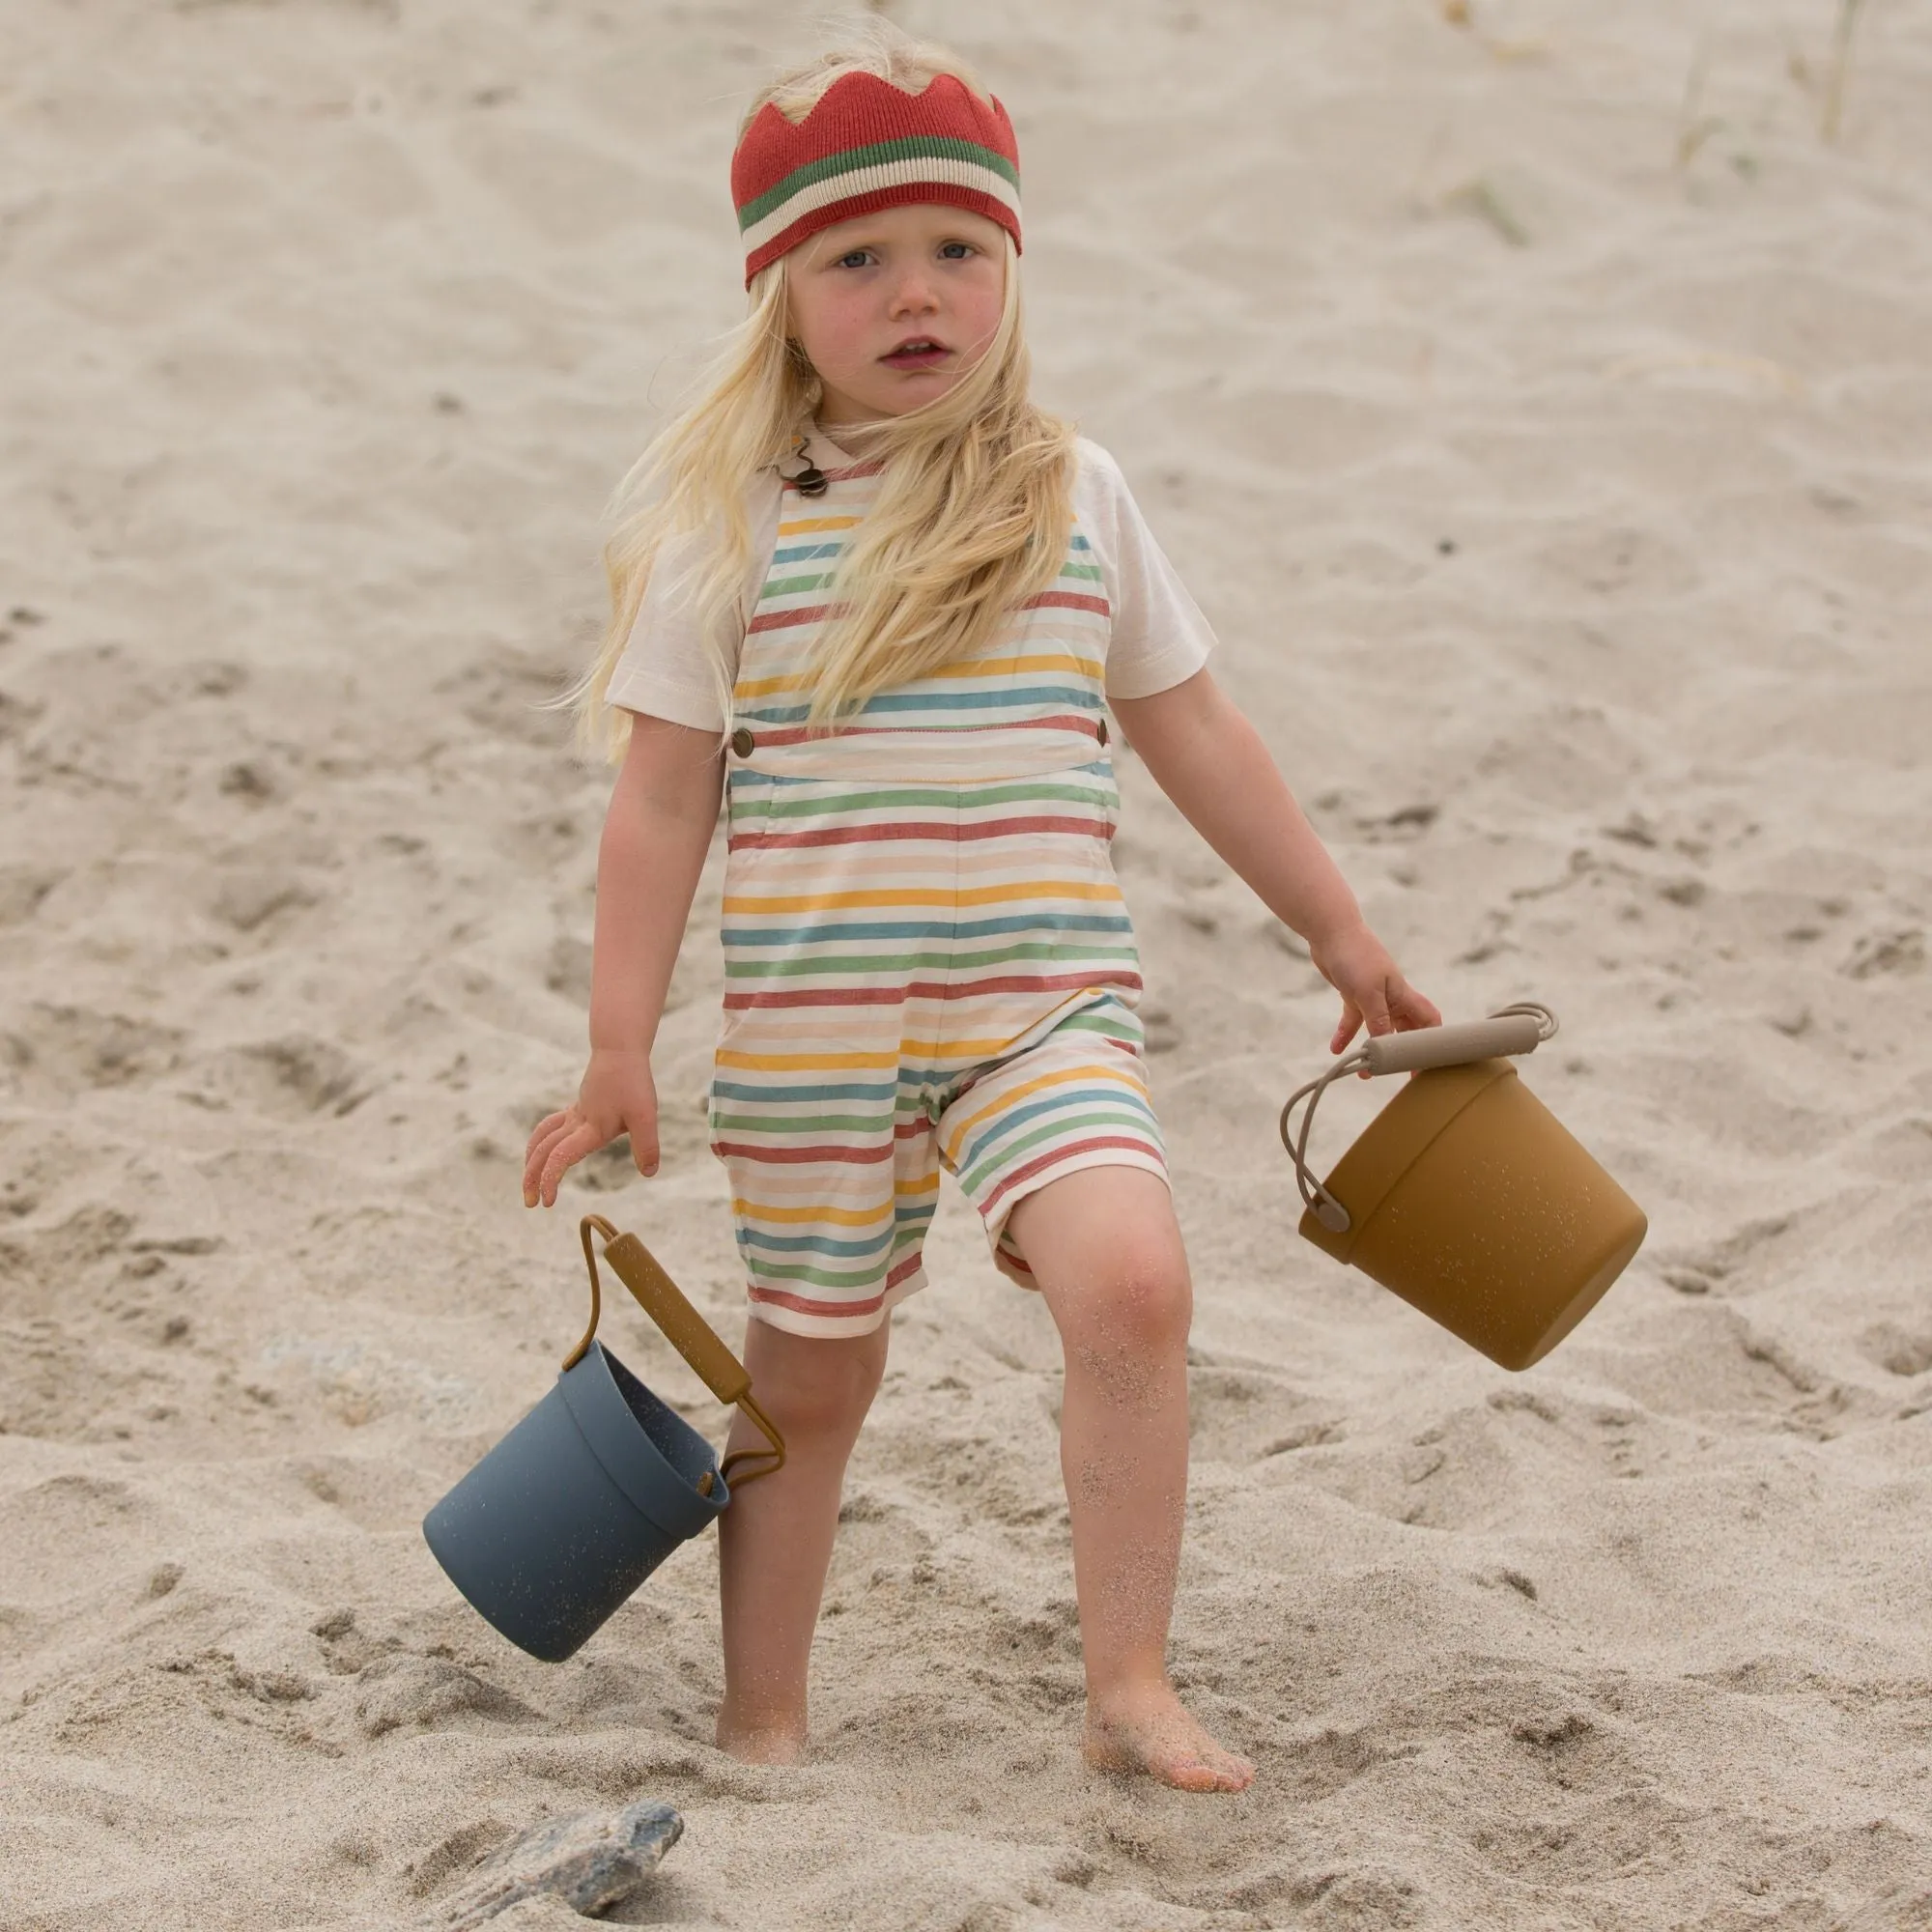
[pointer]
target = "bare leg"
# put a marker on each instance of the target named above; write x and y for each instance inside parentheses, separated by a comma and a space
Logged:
(774, 1542)
(1104, 1247)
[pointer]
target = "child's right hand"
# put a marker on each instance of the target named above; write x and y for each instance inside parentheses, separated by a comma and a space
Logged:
(617, 1097)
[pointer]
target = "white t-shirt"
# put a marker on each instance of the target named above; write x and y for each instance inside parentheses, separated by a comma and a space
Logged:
(1158, 636)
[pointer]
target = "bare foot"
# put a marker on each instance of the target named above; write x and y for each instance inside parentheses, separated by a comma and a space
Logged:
(1151, 1732)
(761, 1743)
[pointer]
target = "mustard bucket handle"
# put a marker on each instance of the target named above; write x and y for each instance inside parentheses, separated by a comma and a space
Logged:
(686, 1330)
(1508, 1031)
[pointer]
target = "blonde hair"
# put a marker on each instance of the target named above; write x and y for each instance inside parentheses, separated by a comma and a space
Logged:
(974, 504)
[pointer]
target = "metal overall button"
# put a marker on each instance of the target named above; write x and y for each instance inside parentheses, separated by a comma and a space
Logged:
(743, 742)
(1100, 730)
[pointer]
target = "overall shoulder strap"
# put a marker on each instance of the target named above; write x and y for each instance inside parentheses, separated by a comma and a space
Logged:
(762, 501)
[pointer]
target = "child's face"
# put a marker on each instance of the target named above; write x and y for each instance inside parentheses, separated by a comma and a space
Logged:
(893, 308)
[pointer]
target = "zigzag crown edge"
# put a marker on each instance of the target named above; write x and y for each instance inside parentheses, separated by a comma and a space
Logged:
(775, 145)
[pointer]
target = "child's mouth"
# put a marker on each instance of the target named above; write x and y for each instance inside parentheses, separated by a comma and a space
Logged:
(922, 353)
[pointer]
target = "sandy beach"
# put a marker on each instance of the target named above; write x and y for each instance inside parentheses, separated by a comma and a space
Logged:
(1541, 407)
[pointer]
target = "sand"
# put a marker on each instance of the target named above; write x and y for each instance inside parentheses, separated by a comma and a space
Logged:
(1547, 437)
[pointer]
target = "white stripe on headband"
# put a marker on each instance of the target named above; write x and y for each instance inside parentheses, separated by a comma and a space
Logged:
(865, 181)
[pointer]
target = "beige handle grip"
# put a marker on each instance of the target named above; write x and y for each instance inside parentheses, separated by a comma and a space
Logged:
(683, 1328)
(1494, 1039)
(1511, 1030)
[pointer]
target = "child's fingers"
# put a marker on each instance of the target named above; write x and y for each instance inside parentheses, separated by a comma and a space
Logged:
(1369, 1009)
(563, 1156)
(547, 1132)
(644, 1148)
(1347, 1027)
(1374, 1005)
(544, 1137)
(1411, 1011)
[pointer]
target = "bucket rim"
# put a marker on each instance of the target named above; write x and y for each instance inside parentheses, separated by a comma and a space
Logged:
(605, 1419)
(1421, 1112)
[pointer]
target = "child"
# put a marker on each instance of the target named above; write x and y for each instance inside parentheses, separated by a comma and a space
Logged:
(870, 591)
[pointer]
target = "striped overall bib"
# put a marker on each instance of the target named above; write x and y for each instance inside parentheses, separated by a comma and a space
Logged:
(927, 960)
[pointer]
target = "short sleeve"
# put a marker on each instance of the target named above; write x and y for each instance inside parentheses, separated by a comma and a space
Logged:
(670, 668)
(1159, 637)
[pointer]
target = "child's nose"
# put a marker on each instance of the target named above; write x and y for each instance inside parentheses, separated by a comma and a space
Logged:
(913, 296)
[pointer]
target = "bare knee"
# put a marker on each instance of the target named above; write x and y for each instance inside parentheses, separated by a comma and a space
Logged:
(1126, 1324)
(814, 1387)
(1103, 1246)
(1144, 1303)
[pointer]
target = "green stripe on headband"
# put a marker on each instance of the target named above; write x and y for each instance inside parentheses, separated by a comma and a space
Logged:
(912, 148)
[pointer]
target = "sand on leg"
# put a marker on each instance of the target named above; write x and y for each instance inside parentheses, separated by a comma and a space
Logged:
(1104, 1247)
(775, 1541)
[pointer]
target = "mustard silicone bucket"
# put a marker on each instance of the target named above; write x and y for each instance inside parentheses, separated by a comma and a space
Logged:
(1466, 1194)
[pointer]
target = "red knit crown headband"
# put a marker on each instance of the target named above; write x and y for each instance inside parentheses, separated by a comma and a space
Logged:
(868, 144)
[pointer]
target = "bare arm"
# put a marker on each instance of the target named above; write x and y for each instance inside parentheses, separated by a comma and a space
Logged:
(1210, 762)
(656, 833)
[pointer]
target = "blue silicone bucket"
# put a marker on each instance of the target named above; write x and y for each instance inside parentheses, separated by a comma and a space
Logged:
(563, 1519)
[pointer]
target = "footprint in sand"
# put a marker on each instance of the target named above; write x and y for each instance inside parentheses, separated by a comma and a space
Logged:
(1707, 1269)
(1897, 1350)
(61, 1049)
(426, 1692)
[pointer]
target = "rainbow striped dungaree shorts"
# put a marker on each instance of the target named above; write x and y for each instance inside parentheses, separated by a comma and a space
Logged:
(928, 959)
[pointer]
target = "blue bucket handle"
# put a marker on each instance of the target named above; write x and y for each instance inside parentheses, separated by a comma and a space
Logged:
(688, 1333)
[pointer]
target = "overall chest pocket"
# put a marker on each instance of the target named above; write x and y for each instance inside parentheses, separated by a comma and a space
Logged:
(747, 823)
(1095, 802)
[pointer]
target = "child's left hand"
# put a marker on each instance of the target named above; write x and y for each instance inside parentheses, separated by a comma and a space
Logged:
(1374, 993)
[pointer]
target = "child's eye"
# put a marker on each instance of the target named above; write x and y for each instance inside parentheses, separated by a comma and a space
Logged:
(855, 258)
(956, 251)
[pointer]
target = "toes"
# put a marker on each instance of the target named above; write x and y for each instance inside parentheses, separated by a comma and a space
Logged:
(1190, 1773)
(1182, 1770)
(1166, 1744)
(1202, 1773)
